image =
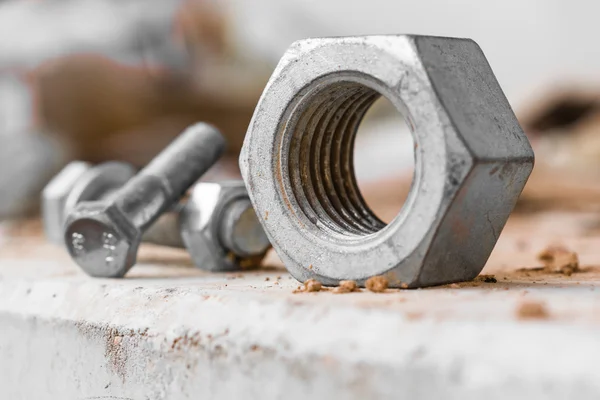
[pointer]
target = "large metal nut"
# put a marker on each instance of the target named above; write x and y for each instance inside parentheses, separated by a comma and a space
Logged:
(220, 228)
(472, 159)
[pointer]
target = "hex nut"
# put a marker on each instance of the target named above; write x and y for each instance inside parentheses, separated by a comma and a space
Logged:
(204, 223)
(472, 159)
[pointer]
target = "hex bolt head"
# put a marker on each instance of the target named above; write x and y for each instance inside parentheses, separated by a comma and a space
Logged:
(103, 236)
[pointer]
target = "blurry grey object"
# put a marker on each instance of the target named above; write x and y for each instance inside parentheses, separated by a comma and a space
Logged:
(28, 156)
(31, 33)
(16, 104)
(132, 31)
(217, 222)
(472, 159)
(27, 160)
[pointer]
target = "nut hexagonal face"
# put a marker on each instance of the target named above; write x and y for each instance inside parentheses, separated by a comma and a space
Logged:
(54, 198)
(472, 159)
(100, 239)
(203, 223)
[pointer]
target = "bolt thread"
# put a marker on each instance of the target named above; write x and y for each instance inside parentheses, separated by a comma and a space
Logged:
(320, 166)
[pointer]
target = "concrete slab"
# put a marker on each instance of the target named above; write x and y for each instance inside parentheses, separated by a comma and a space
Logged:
(169, 331)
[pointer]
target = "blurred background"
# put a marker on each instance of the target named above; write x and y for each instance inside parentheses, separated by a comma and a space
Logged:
(99, 80)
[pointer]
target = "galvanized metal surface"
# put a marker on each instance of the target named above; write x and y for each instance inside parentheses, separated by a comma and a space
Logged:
(217, 223)
(472, 159)
(103, 236)
(173, 332)
(220, 229)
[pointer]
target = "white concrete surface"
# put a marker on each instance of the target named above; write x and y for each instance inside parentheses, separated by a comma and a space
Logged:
(172, 332)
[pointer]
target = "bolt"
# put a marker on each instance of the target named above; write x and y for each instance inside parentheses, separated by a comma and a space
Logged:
(103, 236)
(218, 218)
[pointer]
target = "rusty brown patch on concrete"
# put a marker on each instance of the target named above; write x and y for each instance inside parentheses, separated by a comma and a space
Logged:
(116, 343)
(187, 341)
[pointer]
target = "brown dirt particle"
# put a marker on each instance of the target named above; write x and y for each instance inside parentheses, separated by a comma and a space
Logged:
(311, 285)
(559, 259)
(488, 278)
(346, 287)
(532, 310)
(377, 284)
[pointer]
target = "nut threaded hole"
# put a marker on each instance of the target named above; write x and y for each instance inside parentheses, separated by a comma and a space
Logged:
(321, 163)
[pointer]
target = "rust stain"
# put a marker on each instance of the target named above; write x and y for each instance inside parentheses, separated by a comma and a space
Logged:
(186, 341)
(116, 343)
(283, 197)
